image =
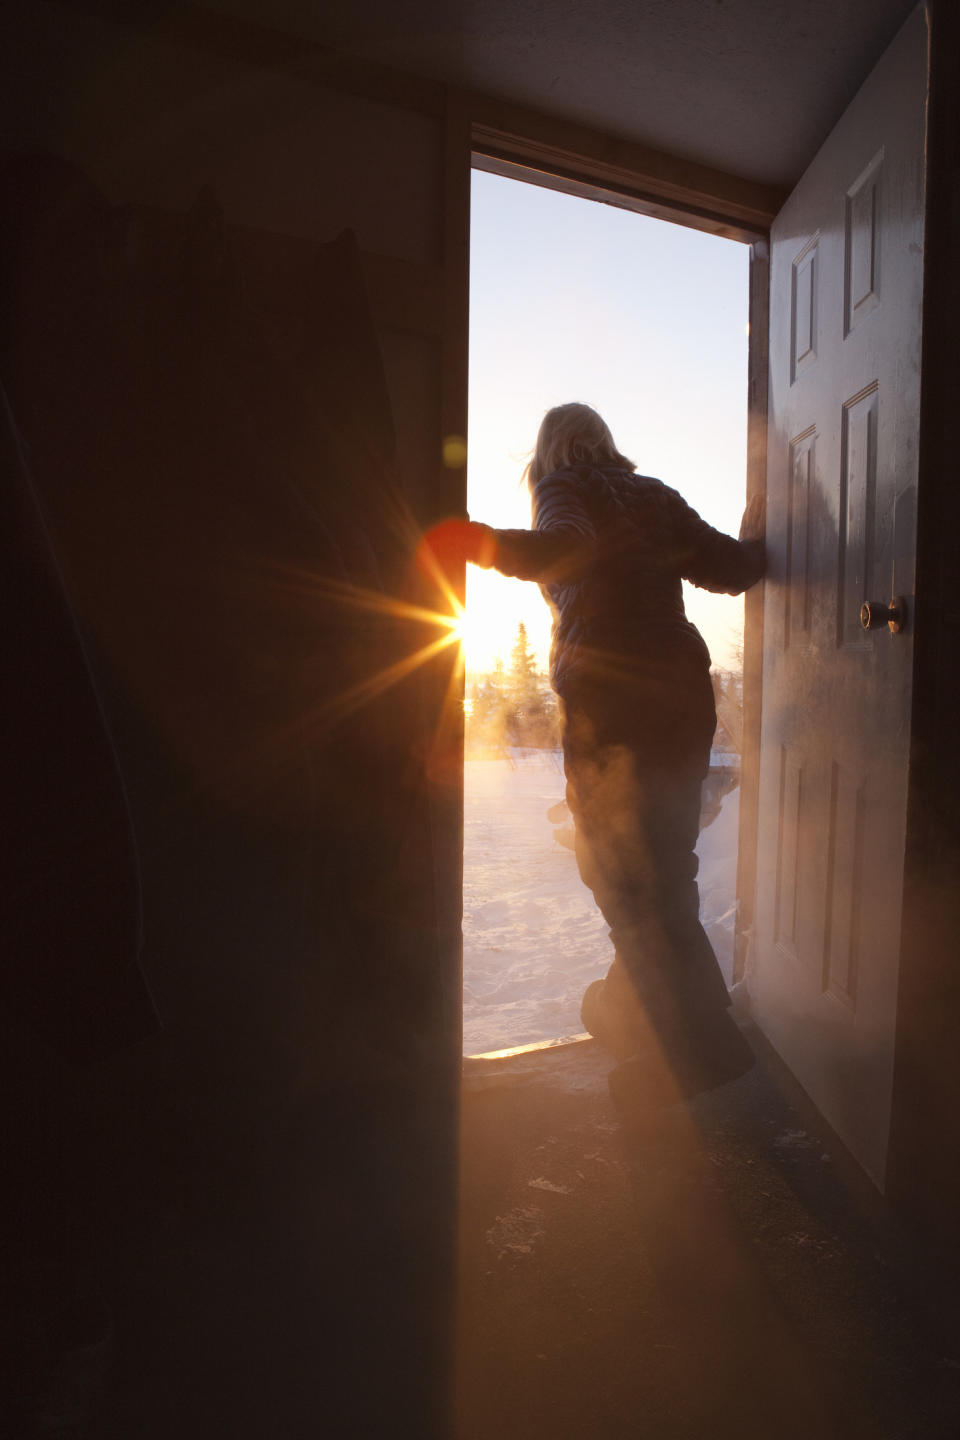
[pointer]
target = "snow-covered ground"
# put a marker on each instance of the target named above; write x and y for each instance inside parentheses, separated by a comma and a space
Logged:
(533, 938)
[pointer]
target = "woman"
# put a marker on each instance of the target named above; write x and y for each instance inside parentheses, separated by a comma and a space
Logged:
(609, 550)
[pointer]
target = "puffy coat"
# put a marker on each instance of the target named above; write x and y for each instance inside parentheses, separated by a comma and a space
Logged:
(609, 550)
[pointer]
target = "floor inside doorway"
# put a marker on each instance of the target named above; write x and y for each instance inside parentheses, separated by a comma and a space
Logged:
(707, 1274)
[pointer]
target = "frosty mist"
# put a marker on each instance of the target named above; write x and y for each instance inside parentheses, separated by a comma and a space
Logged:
(533, 938)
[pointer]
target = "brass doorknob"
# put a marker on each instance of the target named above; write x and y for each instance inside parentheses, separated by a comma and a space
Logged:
(874, 614)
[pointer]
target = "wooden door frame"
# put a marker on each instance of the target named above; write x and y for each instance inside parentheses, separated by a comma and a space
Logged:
(923, 1172)
(525, 145)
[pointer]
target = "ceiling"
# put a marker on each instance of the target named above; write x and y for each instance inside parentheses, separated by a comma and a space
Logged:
(751, 87)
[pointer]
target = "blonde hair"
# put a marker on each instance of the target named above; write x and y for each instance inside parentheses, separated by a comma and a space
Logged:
(570, 435)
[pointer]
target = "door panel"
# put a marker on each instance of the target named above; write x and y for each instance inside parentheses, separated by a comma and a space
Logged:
(846, 277)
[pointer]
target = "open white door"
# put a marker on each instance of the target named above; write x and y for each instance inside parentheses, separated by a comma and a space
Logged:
(845, 303)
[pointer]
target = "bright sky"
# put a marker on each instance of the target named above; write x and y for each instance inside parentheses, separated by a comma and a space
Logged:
(643, 320)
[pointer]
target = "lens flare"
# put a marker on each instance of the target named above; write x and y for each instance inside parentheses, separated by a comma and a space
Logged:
(355, 601)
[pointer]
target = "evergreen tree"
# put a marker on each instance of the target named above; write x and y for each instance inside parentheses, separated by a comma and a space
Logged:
(485, 729)
(531, 709)
(523, 691)
(515, 707)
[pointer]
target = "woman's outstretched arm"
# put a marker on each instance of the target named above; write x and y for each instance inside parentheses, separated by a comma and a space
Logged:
(715, 561)
(559, 550)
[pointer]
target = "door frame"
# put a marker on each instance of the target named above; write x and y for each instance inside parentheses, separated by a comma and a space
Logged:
(523, 145)
(923, 1170)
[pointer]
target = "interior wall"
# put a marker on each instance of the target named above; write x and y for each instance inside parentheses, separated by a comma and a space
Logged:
(254, 1203)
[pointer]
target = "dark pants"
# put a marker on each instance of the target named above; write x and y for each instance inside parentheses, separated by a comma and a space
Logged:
(636, 744)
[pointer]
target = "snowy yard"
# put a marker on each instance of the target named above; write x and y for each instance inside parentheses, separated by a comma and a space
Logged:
(532, 937)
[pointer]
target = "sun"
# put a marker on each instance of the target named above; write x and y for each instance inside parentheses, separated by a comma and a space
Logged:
(467, 626)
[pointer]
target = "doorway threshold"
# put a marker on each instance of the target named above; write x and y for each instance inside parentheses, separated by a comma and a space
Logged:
(511, 1051)
(574, 1060)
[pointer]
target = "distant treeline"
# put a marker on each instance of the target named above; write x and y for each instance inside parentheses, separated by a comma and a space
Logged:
(514, 706)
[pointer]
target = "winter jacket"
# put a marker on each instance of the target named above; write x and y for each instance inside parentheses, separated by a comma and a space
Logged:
(609, 551)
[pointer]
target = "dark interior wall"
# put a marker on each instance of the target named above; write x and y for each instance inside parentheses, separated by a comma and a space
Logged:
(924, 1181)
(231, 420)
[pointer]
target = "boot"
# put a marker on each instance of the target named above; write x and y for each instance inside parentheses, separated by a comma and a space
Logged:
(709, 1056)
(612, 1014)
